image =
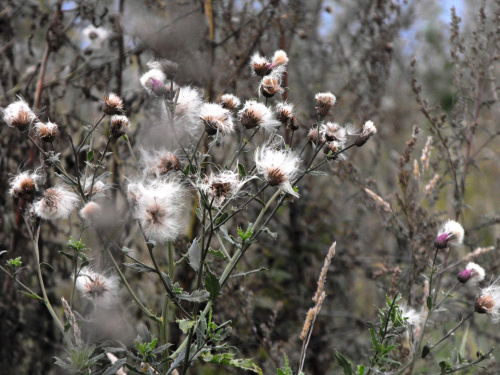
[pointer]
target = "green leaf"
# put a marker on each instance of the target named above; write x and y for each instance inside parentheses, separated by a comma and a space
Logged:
(241, 171)
(344, 363)
(217, 253)
(33, 295)
(196, 296)
(139, 267)
(429, 302)
(69, 256)
(374, 340)
(361, 369)
(287, 370)
(115, 367)
(445, 366)
(15, 262)
(221, 218)
(90, 155)
(185, 324)
(212, 284)
(227, 359)
(194, 254)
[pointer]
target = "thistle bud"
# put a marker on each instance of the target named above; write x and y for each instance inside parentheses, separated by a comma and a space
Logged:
(292, 123)
(113, 105)
(368, 130)
(473, 273)
(284, 111)
(312, 136)
(451, 233)
(154, 82)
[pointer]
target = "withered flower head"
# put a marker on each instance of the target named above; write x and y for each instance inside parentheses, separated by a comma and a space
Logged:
(56, 203)
(255, 114)
(25, 185)
(19, 115)
(229, 101)
(160, 163)
(216, 119)
(113, 104)
(260, 65)
(488, 302)
(324, 102)
(102, 290)
(46, 131)
(120, 125)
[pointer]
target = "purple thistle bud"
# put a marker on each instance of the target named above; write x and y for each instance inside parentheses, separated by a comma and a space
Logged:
(441, 241)
(464, 276)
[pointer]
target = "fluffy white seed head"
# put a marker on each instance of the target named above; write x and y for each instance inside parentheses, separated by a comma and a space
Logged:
(95, 35)
(451, 233)
(284, 111)
(369, 128)
(26, 184)
(324, 102)
(166, 66)
(221, 186)
(255, 114)
(217, 120)
(154, 82)
(91, 211)
(472, 274)
(47, 131)
(332, 131)
(19, 115)
(229, 101)
(112, 105)
(120, 125)
(159, 208)
(278, 167)
(280, 58)
(56, 203)
(102, 290)
(270, 84)
(488, 302)
(188, 107)
(160, 162)
(411, 316)
(259, 65)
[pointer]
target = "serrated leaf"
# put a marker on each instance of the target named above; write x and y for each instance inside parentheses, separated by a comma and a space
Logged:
(177, 361)
(344, 363)
(185, 324)
(217, 253)
(227, 359)
(115, 367)
(272, 235)
(227, 236)
(196, 296)
(139, 267)
(194, 254)
(212, 284)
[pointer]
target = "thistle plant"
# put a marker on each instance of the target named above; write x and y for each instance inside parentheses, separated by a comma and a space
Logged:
(263, 173)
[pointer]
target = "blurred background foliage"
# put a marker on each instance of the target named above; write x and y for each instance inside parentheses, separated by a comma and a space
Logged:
(359, 50)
